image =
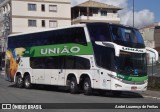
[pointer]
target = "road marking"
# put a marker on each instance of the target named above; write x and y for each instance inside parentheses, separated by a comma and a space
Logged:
(152, 97)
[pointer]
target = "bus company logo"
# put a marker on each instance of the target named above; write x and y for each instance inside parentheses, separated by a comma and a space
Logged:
(132, 49)
(64, 50)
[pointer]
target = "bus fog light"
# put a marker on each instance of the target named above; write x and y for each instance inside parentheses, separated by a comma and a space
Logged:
(117, 85)
(146, 81)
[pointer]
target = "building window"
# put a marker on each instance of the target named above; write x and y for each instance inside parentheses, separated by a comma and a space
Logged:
(53, 8)
(103, 13)
(32, 7)
(32, 23)
(114, 11)
(95, 11)
(43, 23)
(52, 24)
(43, 7)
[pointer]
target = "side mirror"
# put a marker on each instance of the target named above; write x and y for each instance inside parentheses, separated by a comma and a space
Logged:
(152, 56)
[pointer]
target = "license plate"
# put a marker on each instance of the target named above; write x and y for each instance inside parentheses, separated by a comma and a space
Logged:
(133, 88)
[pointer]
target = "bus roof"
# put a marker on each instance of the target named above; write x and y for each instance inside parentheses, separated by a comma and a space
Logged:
(48, 29)
(77, 25)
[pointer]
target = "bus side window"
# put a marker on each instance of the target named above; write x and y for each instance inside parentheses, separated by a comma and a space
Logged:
(37, 62)
(69, 62)
(82, 63)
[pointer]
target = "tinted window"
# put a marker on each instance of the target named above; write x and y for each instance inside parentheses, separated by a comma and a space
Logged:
(99, 32)
(59, 62)
(70, 35)
(133, 64)
(120, 33)
(104, 56)
(126, 36)
(46, 62)
(72, 62)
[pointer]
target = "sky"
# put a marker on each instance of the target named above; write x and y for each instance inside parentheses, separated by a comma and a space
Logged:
(146, 11)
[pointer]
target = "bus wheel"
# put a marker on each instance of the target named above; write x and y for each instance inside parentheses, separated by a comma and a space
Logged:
(19, 81)
(27, 82)
(73, 86)
(87, 87)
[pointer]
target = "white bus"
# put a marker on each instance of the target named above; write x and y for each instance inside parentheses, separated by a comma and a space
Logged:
(99, 56)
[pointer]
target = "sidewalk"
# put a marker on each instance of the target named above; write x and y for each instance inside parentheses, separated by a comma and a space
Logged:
(151, 93)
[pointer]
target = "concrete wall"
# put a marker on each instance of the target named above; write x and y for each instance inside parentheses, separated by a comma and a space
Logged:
(157, 37)
(148, 33)
(148, 36)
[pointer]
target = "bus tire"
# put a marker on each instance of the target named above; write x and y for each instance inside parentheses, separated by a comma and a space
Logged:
(27, 82)
(19, 81)
(87, 87)
(73, 86)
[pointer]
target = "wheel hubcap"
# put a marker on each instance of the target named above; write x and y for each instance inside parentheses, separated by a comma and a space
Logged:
(72, 85)
(19, 80)
(27, 83)
(86, 86)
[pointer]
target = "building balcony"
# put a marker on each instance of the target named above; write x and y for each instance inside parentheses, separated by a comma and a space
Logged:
(113, 18)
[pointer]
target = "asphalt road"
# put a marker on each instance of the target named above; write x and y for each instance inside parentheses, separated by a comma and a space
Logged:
(10, 94)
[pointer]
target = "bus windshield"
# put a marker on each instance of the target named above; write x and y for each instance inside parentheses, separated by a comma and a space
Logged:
(121, 34)
(133, 64)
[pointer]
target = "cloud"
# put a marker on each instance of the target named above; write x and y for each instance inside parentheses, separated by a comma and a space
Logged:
(142, 17)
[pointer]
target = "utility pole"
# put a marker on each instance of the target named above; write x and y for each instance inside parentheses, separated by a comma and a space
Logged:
(7, 30)
(133, 13)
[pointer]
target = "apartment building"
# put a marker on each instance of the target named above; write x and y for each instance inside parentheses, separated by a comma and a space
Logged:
(30, 15)
(151, 36)
(92, 11)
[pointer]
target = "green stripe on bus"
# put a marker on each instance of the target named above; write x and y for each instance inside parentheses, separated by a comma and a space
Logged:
(134, 79)
(58, 50)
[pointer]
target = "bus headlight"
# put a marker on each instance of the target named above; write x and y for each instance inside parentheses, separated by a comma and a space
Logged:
(114, 77)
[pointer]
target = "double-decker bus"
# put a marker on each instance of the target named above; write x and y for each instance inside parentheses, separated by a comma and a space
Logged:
(99, 56)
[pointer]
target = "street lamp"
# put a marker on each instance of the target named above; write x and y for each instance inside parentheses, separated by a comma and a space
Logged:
(133, 13)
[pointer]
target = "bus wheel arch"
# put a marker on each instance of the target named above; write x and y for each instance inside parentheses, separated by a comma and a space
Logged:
(85, 84)
(72, 83)
(19, 80)
(27, 80)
